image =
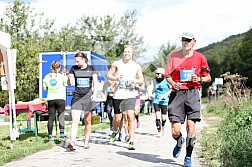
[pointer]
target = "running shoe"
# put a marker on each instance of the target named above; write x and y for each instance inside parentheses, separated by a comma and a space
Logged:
(127, 138)
(188, 162)
(159, 134)
(177, 148)
(163, 130)
(62, 136)
(131, 146)
(119, 137)
(138, 124)
(86, 146)
(112, 138)
(70, 147)
(50, 137)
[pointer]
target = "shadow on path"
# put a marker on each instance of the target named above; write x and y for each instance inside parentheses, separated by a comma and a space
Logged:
(148, 158)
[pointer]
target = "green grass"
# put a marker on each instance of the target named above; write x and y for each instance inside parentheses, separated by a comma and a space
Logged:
(26, 143)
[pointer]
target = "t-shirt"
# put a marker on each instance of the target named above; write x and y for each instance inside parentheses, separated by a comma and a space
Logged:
(180, 68)
(161, 92)
(124, 90)
(83, 79)
(56, 86)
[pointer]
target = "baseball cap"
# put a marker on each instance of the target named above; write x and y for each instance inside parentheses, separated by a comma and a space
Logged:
(187, 35)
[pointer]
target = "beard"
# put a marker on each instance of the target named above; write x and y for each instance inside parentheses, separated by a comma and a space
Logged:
(159, 79)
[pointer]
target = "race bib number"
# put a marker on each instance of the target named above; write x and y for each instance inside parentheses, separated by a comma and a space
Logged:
(83, 82)
(186, 75)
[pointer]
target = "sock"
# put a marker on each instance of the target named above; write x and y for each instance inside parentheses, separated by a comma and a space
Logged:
(163, 122)
(137, 117)
(158, 124)
(179, 139)
(190, 142)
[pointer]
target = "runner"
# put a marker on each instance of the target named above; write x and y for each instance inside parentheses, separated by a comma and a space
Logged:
(85, 78)
(186, 69)
(138, 89)
(160, 100)
(126, 73)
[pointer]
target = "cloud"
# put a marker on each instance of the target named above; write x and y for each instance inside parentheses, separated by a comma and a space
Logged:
(69, 11)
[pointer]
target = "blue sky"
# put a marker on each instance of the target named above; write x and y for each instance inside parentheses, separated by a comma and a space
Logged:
(160, 21)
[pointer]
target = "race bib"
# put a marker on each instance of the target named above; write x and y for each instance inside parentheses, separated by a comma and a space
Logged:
(186, 75)
(122, 84)
(83, 82)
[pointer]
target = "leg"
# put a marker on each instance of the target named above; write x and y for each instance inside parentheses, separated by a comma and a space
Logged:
(61, 115)
(87, 118)
(126, 127)
(52, 114)
(131, 124)
(177, 135)
(75, 120)
(191, 137)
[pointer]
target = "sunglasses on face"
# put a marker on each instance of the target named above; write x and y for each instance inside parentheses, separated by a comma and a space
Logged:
(158, 73)
(186, 40)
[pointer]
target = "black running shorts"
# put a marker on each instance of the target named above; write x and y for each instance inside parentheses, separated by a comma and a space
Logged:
(184, 103)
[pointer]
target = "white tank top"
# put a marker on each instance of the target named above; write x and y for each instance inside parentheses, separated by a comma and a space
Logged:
(123, 90)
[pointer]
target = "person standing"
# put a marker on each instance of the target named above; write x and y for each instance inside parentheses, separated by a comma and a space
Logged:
(126, 73)
(160, 100)
(186, 69)
(55, 83)
(150, 90)
(108, 90)
(85, 79)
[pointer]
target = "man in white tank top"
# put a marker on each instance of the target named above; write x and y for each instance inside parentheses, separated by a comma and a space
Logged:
(127, 74)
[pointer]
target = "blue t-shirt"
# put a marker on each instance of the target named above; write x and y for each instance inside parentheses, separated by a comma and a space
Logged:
(160, 93)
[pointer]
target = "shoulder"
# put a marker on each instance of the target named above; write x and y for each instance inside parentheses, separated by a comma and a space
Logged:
(138, 66)
(199, 54)
(177, 53)
(91, 67)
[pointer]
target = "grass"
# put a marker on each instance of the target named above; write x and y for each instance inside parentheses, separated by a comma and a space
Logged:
(26, 143)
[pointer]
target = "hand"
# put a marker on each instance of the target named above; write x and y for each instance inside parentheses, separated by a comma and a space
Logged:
(176, 85)
(195, 78)
(120, 77)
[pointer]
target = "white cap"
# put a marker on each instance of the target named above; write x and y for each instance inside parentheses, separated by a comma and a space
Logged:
(188, 35)
(160, 70)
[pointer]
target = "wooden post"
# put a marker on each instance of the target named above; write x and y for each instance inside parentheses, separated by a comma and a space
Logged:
(7, 54)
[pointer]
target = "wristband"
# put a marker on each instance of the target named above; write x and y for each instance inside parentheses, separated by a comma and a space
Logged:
(200, 79)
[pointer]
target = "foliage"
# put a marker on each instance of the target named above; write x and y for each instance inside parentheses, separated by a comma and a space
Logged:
(244, 57)
(232, 143)
(31, 33)
(160, 59)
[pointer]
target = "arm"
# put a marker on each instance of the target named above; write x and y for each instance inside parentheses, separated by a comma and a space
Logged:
(94, 86)
(175, 85)
(111, 73)
(139, 78)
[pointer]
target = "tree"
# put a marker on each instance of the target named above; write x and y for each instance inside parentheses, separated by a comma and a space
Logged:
(24, 26)
(244, 58)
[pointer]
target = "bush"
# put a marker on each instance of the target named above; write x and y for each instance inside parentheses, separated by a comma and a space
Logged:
(236, 135)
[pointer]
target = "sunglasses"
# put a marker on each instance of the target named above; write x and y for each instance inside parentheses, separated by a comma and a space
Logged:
(186, 40)
(158, 73)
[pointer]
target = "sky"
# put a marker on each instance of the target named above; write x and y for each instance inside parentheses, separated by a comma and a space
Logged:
(159, 21)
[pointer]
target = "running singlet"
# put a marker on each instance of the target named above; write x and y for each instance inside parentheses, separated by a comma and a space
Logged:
(181, 68)
(161, 90)
(124, 90)
(83, 79)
